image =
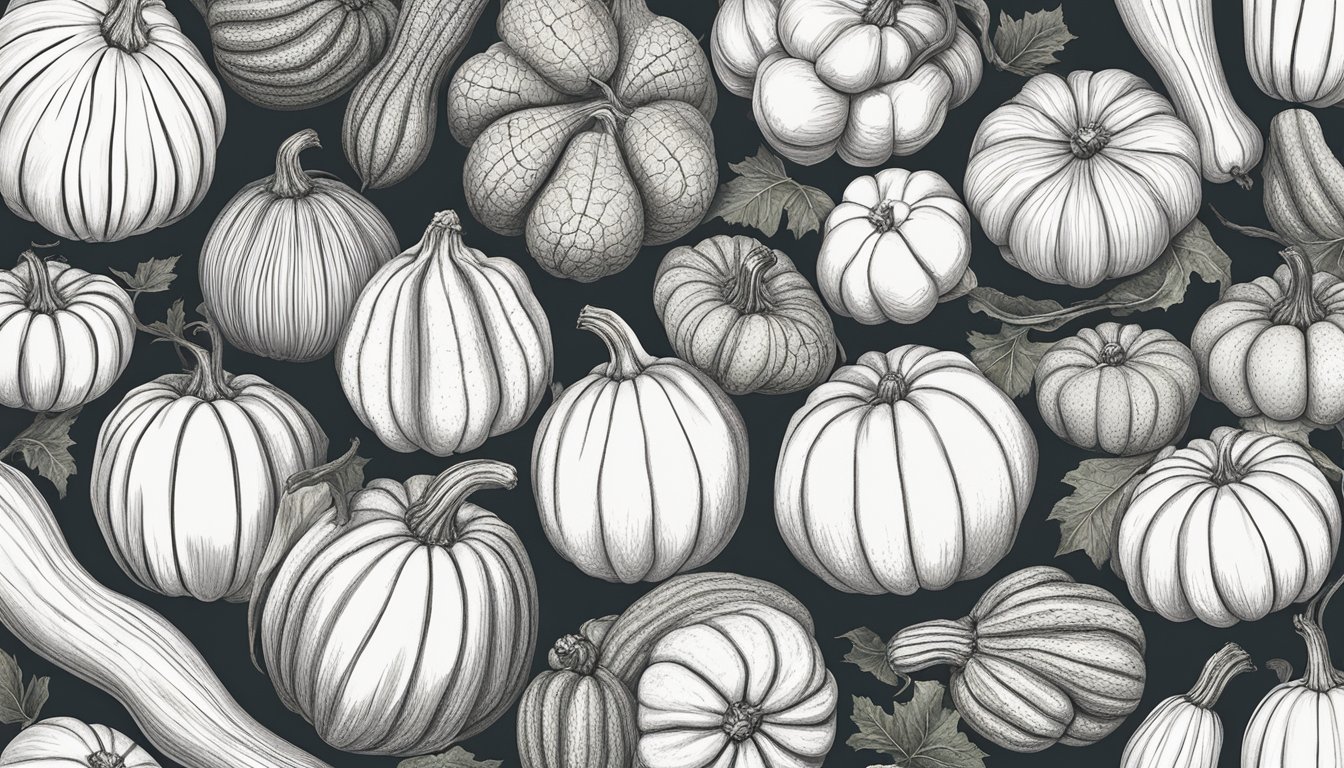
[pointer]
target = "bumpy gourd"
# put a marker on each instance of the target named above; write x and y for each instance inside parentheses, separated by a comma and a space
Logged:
(1184, 731)
(1304, 181)
(1295, 50)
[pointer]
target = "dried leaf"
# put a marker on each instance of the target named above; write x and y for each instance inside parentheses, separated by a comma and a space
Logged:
(1299, 432)
(456, 757)
(763, 193)
(20, 704)
(964, 286)
(45, 447)
(921, 733)
(1101, 491)
(870, 654)
(1007, 358)
(1281, 669)
(1044, 314)
(153, 276)
(1027, 46)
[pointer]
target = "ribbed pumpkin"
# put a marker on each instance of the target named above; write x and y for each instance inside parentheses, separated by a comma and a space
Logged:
(1040, 660)
(1184, 731)
(67, 335)
(188, 473)
(64, 742)
(1295, 49)
(906, 471)
(1117, 388)
(132, 147)
(1229, 529)
(287, 257)
(410, 626)
(742, 313)
(639, 468)
(1083, 179)
(446, 346)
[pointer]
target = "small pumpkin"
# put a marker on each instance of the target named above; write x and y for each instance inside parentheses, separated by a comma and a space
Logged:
(286, 258)
(895, 244)
(446, 347)
(68, 335)
(744, 33)
(906, 471)
(742, 313)
(639, 468)
(1184, 731)
(1083, 179)
(1118, 389)
(1272, 346)
(1228, 529)
(64, 742)
(741, 690)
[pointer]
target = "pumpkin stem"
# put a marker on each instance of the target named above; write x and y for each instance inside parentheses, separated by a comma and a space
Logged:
(573, 653)
(628, 358)
(1243, 179)
(741, 721)
(434, 516)
(42, 296)
(747, 292)
(891, 387)
(209, 380)
(882, 12)
(1226, 470)
(1321, 675)
(889, 214)
(1231, 660)
(1088, 141)
(443, 223)
(1112, 353)
(290, 180)
(1299, 305)
(102, 759)
(124, 25)
(941, 641)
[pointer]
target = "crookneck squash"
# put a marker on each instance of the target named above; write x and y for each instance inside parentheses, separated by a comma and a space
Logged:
(64, 742)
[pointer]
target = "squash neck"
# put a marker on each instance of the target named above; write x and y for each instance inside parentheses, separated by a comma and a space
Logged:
(891, 388)
(573, 653)
(42, 295)
(1299, 305)
(741, 721)
(941, 641)
(433, 517)
(747, 291)
(1088, 140)
(124, 25)
(1231, 660)
(1226, 469)
(889, 215)
(290, 180)
(101, 759)
(628, 358)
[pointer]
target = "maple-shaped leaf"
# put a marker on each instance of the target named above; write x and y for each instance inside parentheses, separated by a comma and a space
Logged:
(456, 757)
(1101, 491)
(1299, 432)
(1028, 45)
(20, 704)
(1007, 358)
(763, 193)
(45, 447)
(151, 276)
(869, 653)
(921, 733)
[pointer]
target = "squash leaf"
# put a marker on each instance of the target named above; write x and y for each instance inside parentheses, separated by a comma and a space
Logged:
(20, 704)
(1007, 358)
(1101, 490)
(1028, 45)
(45, 447)
(1299, 432)
(869, 653)
(921, 733)
(762, 194)
(456, 757)
(153, 276)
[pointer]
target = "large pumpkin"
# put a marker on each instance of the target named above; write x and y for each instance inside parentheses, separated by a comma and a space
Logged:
(639, 468)
(909, 470)
(409, 626)
(1228, 529)
(1085, 179)
(896, 243)
(67, 335)
(446, 346)
(742, 313)
(64, 742)
(132, 146)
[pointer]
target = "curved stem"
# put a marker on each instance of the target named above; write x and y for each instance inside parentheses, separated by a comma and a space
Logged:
(434, 516)
(124, 25)
(1230, 660)
(1243, 179)
(290, 180)
(1299, 305)
(1242, 229)
(443, 223)
(1225, 468)
(1321, 674)
(42, 296)
(1112, 353)
(614, 101)
(573, 653)
(628, 358)
(747, 292)
(891, 387)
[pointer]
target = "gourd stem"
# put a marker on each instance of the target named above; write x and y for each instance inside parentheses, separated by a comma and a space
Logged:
(434, 516)
(741, 721)
(747, 292)
(1225, 468)
(290, 180)
(443, 223)
(628, 358)
(573, 653)
(42, 296)
(941, 641)
(124, 25)
(1299, 305)
(617, 107)
(102, 759)
(891, 387)
(1112, 353)
(1231, 660)
(1321, 675)
(882, 12)
(1243, 179)
(1088, 141)
(888, 215)
(208, 379)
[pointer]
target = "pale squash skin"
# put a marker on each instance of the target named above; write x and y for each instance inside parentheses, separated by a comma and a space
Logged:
(1303, 178)
(1300, 723)
(64, 742)
(1295, 50)
(1184, 731)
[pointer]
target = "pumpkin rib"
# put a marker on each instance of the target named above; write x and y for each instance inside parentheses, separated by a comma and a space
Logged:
(699, 471)
(1288, 519)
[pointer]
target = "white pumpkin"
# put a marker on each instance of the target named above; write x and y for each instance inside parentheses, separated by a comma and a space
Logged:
(64, 742)
(744, 33)
(1295, 49)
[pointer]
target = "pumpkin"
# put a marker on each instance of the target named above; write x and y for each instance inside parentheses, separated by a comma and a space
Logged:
(1085, 179)
(1295, 50)
(906, 471)
(1228, 529)
(188, 472)
(1184, 731)
(1272, 346)
(589, 133)
(742, 313)
(1040, 660)
(408, 626)
(740, 690)
(639, 468)
(64, 742)
(67, 334)
(896, 243)
(446, 346)
(744, 33)
(286, 258)
(1118, 389)
(132, 147)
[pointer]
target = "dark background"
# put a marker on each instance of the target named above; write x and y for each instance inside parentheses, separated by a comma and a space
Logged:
(1175, 651)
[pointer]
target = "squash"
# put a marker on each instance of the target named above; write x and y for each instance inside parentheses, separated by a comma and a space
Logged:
(390, 119)
(1176, 36)
(286, 258)
(64, 742)
(133, 147)
(742, 313)
(1271, 346)
(737, 691)
(50, 603)
(1304, 182)
(1118, 389)
(896, 243)
(188, 471)
(297, 54)
(1228, 529)
(1040, 660)
(1295, 50)
(68, 335)
(590, 148)
(446, 346)
(1085, 179)
(1184, 731)
(639, 468)
(410, 626)
(744, 33)
(909, 470)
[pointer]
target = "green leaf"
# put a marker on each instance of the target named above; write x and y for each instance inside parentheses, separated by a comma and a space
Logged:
(1027, 46)
(456, 757)
(1101, 491)
(1045, 314)
(1007, 358)
(763, 193)
(153, 276)
(1299, 432)
(20, 704)
(870, 654)
(921, 733)
(45, 447)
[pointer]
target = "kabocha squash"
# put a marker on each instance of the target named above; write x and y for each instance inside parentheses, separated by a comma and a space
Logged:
(909, 470)
(188, 471)
(297, 54)
(64, 742)
(1184, 731)
(285, 260)
(1040, 660)
(639, 468)
(896, 243)
(742, 313)
(1118, 389)
(1304, 182)
(1271, 346)
(67, 335)
(1228, 529)
(133, 147)
(1295, 49)
(446, 346)
(589, 133)
(1083, 179)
